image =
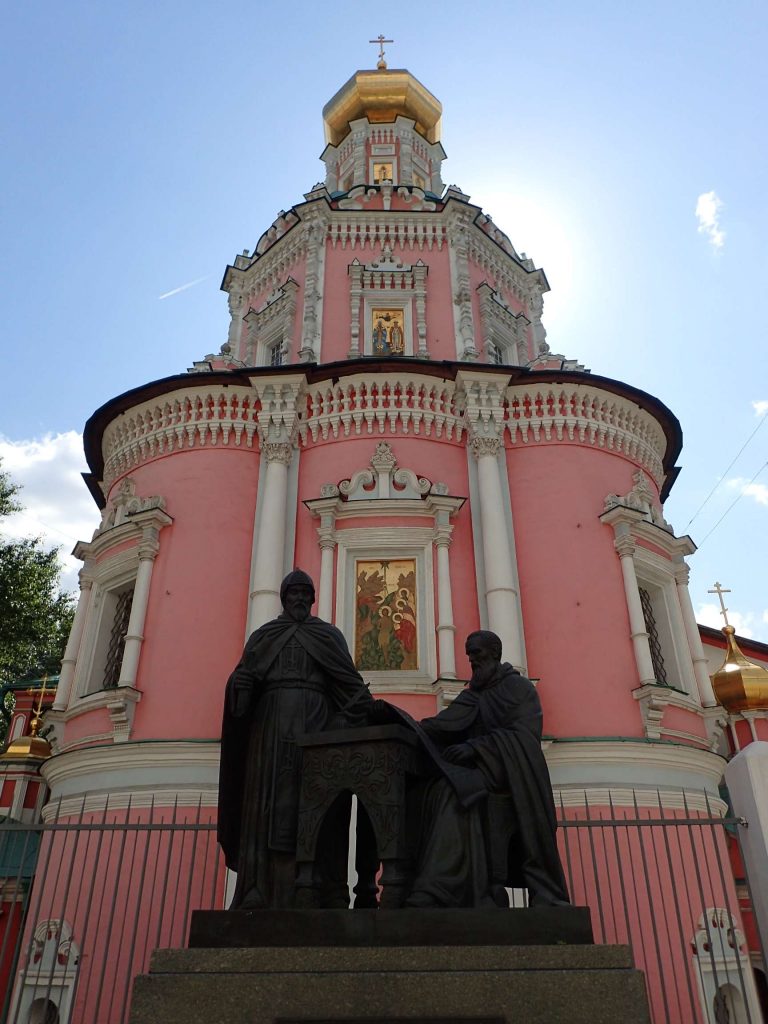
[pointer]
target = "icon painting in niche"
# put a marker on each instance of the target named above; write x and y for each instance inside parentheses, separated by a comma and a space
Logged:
(388, 332)
(385, 615)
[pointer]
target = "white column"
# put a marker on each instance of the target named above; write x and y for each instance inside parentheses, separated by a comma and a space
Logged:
(747, 777)
(500, 592)
(327, 540)
(700, 667)
(148, 548)
(446, 631)
(625, 547)
(269, 553)
(69, 660)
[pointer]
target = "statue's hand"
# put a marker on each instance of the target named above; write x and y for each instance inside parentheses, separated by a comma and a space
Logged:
(242, 687)
(460, 753)
(381, 713)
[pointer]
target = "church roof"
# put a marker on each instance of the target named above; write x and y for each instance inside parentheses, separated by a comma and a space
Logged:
(382, 96)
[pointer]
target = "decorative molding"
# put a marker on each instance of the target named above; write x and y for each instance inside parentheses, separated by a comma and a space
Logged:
(383, 480)
(654, 701)
(272, 321)
(481, 447)
(119, 702)
(642, 498)
(161, 771)
(377, 228)
(387, 402)
(459, 221)
(502, 327)
(192, 417)
(635, 764)
(589, 415)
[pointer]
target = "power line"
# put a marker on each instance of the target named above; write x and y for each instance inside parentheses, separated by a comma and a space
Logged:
(727, 470)
(738, 498)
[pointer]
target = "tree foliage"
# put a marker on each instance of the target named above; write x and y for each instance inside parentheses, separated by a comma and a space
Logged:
(35, 616)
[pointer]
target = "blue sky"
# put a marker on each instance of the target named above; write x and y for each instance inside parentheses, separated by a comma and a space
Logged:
(145, 144)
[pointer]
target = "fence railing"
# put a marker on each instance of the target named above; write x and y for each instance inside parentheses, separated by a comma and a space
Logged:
(84, 901)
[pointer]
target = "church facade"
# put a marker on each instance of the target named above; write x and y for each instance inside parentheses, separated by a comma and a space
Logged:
(386, 414)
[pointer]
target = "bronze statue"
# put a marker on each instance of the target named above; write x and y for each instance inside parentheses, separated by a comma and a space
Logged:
(466, 855)
(296, 676)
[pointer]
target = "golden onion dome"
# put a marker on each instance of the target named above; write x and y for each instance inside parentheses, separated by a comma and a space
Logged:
(740, 684)
(381, 96)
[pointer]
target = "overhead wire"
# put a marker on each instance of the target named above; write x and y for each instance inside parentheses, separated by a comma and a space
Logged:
(721, 478)
(738, 498)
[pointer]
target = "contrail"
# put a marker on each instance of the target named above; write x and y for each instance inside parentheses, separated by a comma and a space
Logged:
(183, 287)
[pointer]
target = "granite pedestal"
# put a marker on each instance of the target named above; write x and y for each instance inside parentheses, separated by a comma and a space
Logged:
(375, 967)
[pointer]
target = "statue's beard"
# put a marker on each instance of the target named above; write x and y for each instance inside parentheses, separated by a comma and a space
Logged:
(299, 612)
(483, 674)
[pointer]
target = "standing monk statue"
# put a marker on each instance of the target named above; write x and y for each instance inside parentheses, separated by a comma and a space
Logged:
(492, 730)
(296, 676)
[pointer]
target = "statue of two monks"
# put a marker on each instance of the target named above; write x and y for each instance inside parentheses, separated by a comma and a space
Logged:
(295, 677)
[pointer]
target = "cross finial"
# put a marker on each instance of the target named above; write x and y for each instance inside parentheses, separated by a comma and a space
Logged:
(720, 591)
(35, 723)
(381, 64)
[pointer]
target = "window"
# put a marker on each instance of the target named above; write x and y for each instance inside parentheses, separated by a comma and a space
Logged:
(275, 353)
(495, 353)
(110, 640)
(654, 642)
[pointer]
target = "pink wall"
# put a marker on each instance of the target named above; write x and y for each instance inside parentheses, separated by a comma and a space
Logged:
(574, 606)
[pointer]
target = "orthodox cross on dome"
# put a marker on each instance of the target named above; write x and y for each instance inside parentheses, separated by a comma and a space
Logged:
(381, 64)
(720, 591)
(37, 711)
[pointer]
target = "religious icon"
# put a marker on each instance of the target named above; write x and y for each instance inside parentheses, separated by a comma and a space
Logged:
(386, 623)
(388, 332)
(382, 172)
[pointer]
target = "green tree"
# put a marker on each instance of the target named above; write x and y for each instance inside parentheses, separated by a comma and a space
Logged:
(35, 616)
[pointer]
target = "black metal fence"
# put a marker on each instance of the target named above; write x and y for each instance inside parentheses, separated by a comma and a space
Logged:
(85, 898)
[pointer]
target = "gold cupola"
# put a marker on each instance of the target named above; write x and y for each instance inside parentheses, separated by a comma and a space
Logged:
(740, 684)
(31, 747)
(382, 95)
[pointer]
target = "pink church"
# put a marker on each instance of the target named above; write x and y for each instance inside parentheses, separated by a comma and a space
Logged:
(386, 414)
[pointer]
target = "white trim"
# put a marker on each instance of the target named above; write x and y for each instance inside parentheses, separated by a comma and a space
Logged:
(634, 764)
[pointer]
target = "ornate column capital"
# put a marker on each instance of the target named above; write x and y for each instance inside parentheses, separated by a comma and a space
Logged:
(482, 447)
(443, 536)
(278, 451)
(624, 545)
(682, 574)
(149, 544)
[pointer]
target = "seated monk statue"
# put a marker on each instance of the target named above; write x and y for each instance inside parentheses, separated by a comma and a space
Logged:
(492, 729)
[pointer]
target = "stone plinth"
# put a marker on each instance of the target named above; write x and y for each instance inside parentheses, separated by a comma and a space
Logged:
(542, 926)
(580, 984)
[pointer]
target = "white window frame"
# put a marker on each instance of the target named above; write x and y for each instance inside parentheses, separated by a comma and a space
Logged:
(110, 578)
(656, 575)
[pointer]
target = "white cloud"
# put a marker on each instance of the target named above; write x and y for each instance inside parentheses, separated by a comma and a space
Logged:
(57, 504)
(761, 408)
(743, 622)
(750, 490)
(708, 207)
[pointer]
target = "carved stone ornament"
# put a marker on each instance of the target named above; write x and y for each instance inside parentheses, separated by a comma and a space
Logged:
(485, 446)
(278, 451)
(642, 499)
(383, 480)
(125, 504)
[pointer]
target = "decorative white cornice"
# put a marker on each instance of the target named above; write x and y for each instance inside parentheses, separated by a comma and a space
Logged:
(357, 229)
(190, 417)
(118, 701)
(631, 526)
(385, 402)
(589, 415)
(636, 765)
(482, 396)
(163, 773)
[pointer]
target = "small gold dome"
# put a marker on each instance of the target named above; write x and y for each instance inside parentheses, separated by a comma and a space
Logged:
(381, 96)
(740, 684)
(27, 747)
